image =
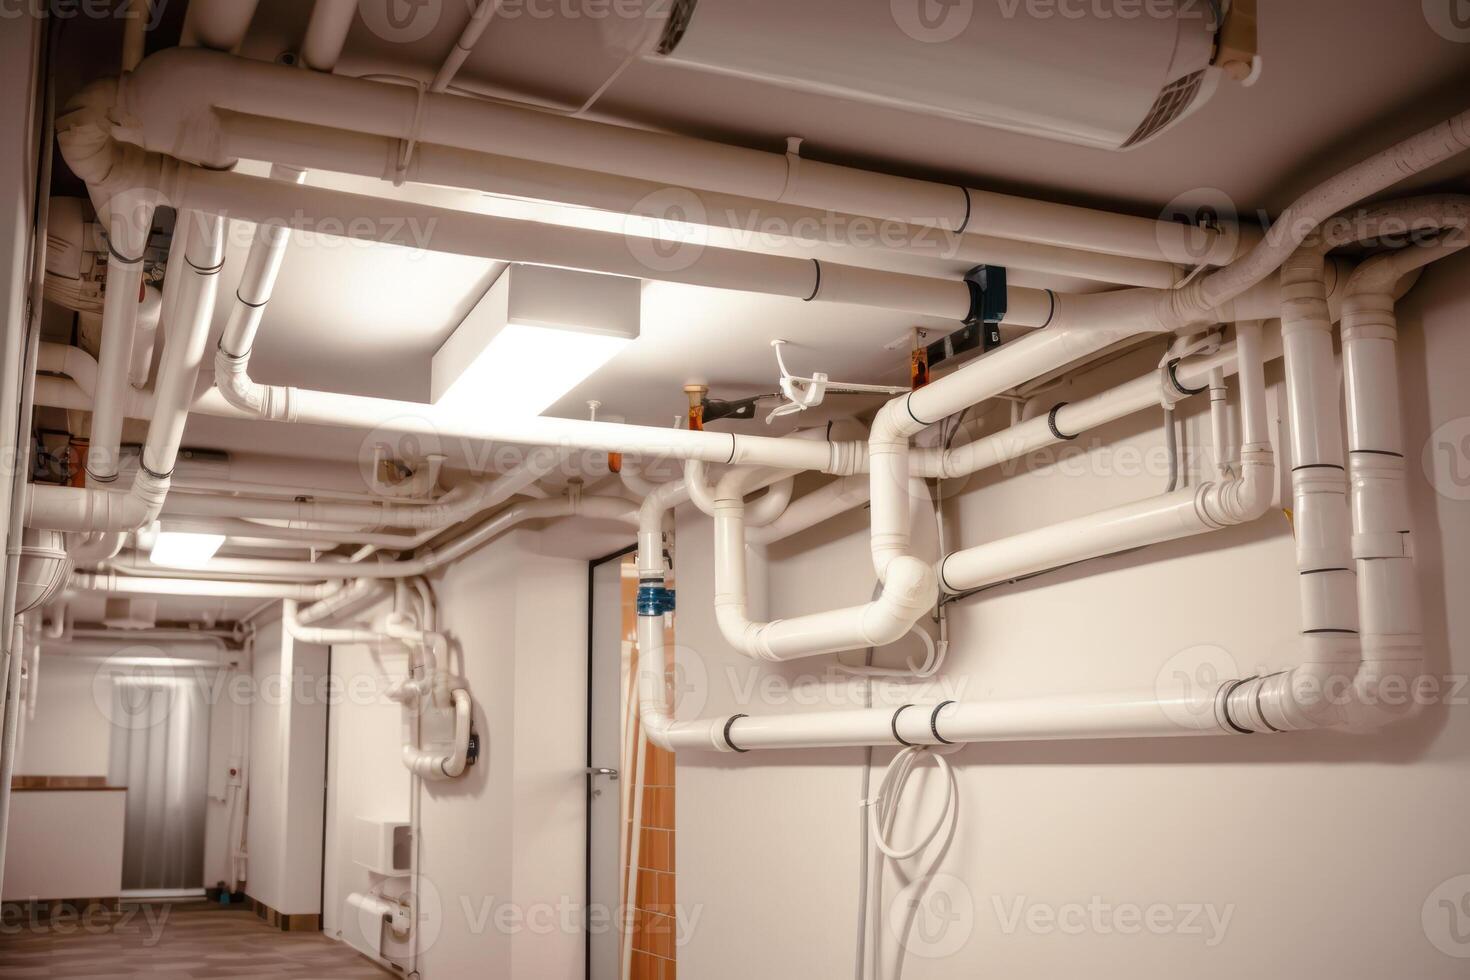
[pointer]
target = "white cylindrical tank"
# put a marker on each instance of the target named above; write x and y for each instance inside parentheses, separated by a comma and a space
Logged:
(1108, 75)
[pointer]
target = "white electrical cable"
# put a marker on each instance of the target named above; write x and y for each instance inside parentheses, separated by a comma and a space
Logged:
(883, 808)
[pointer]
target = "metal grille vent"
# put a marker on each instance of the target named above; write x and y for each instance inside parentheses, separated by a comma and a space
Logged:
(679, 18)
(1176, 97)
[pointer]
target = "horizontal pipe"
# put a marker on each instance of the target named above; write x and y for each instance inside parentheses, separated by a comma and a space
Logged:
(366, 155)
(142, 585)
(426, 561)
(176, 94)
(300, 207)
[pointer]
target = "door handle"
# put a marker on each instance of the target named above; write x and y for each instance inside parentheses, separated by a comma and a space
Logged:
(600, 771)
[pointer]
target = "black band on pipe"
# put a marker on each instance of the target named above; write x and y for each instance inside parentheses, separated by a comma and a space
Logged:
(934, 722)
(728, 725)
(1225, 708)
(969, 210)
(894, 725)
(1052, 312)
(1261, 711)
(818, 287)
(909, 407)
(1051, 423)
(157, 476)
(1317, 466)
(114, 253)
(733, 443)
(234, 357)
(1179, 385)
(206, 270)
(245, 302)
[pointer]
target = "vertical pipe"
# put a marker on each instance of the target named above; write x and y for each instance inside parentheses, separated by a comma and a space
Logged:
(20, 388)
(1388, 590)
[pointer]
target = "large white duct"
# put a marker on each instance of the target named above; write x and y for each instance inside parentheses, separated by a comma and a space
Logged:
(1099, 78)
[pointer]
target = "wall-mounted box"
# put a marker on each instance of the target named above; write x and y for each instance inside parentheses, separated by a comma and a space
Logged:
(382, 846)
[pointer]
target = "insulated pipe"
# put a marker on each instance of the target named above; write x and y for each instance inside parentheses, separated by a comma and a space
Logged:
(138, 585)
(320, 148)
(326, 33)
(175, 97)
(1165, 518)
(1362, 180)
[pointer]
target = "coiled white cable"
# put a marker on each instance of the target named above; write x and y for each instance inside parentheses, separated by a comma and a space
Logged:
(883, 808)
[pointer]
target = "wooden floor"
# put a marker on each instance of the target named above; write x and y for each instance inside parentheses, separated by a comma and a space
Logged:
(173, 942)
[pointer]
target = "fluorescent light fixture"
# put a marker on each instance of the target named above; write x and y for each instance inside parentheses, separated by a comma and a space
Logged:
(536, 335)
(184, 549)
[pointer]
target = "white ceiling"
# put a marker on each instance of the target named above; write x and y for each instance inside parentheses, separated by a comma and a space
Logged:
(1342, 78)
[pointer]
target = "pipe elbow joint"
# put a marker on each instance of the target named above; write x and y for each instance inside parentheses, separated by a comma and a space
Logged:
(910, 589)
(1245, 498)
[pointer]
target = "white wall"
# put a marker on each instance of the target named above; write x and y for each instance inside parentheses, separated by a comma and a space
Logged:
(503, 847)
(70, 734)
(288, 727)
(1325, 851)
(65, 844)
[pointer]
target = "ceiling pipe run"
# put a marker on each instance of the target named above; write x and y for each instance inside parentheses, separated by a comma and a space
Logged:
(140, 585)
(173, 99)
(823, 233)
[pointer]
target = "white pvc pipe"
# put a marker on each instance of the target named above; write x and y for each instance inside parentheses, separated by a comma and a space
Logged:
(1171, 516)
(135, 32)
(460, 504)
(218, 24)
(403, 223)
(173, 92)
(837, 497)
(1074, 418)
(479, 20)
(908, 593)
(141, 585)
(150, 313)
(127, 238)
(425, 561)
(320, 148)
(326, 33)
(101, 509)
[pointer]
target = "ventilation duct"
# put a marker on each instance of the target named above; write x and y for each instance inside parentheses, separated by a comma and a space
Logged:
(121, 613)
(1111, 76)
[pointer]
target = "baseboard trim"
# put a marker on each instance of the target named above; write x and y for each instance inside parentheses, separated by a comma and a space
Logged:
(286, 922)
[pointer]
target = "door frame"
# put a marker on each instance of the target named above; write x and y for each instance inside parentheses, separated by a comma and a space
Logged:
(592, 567)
